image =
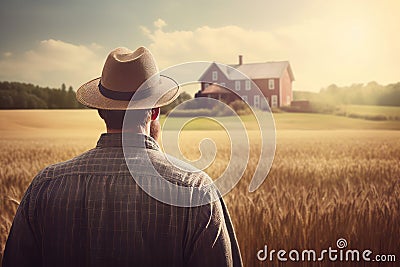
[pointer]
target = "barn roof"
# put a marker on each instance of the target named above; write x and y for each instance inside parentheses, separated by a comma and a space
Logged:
(274, 69)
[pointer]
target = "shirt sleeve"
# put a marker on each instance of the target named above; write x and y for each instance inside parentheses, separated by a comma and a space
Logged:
(236, 257)
(22, 248)
(212, 241)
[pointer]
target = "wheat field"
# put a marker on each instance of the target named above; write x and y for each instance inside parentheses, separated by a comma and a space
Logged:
(323, 185)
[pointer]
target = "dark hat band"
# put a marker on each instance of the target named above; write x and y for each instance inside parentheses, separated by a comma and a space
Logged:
(126, 96)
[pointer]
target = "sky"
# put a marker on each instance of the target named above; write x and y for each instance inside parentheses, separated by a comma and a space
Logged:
(342, 42)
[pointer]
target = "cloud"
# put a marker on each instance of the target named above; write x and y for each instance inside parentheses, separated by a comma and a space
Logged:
(322, 50)
(7, 54)
(53, 62)
(207, 43)
(159, 23)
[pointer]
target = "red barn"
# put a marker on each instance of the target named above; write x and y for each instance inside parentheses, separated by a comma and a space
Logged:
(274, 79)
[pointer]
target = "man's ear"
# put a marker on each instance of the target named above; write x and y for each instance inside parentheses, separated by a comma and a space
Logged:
(101, 113)
(155, 112)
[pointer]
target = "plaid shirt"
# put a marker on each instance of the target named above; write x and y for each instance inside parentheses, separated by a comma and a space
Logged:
(89, 211)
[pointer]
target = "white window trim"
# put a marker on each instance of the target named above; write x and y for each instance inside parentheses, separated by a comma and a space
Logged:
(271, 84)
(247, 85)
(257, 103)
(237, 85)
(244, 98)
(274, 104)
(222, 84)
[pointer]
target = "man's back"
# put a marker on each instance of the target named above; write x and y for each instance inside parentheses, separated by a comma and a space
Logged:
(89, 211)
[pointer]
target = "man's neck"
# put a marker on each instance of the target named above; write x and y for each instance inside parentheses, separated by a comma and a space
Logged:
(113, 131)
(137, 131)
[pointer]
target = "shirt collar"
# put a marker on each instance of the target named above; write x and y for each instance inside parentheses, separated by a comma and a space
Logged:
(131, 140)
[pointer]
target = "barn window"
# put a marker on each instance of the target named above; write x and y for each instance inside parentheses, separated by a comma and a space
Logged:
(237, 85)
(274, 101)
(271, 84)
(247, 85)
(244, 97)
(214, 75)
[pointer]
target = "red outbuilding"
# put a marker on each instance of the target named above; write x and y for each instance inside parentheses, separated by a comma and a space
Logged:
(274, 79)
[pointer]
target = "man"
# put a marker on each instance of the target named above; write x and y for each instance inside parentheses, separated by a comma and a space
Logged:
(100, 208)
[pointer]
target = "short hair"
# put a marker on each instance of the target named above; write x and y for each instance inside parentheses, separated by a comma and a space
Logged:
(114, 119)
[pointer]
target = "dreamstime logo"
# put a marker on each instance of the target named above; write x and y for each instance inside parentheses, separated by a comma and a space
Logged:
(341, 243)
(146, 173)
(332, 254)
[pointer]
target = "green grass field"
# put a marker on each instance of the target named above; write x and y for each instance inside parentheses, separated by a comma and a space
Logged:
(86, 122)
(390, 113)
(373, 110)
(295, 121)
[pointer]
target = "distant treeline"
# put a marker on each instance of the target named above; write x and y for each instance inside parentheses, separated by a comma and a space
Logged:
(15, 95)
(356, 94)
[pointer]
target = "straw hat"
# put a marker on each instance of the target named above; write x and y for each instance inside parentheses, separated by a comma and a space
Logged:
(130, 80)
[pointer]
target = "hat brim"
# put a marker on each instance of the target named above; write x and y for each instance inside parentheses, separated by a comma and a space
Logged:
(163, 94)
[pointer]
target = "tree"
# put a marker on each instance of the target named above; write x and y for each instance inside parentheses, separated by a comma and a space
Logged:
(6, 102)
(72, 102)
(180, 99)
